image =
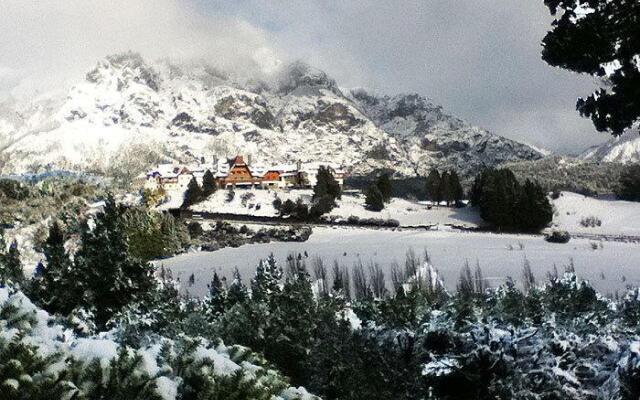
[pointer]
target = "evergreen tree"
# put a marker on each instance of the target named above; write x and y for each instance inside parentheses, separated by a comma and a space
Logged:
(456, 187)
(54, 284)
(446, 189)
(385, 186)
(107, 273)
(217, 301)
(533, 210)
(506, 204)
(10, 265)
(320, 206)
(586, 42)
(434, 186)
(209, 185)
(193, 194)
(237, 292)
(290, 330)
(374, 200)
(267, 279)
(326, 184)
(629, 184)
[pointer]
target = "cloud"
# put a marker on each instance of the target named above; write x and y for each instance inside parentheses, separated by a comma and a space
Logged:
(480, 59)
(55, 41)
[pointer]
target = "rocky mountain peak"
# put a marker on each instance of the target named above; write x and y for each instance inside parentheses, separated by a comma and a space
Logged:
(300, 78)
(130, 113)
(125, 68)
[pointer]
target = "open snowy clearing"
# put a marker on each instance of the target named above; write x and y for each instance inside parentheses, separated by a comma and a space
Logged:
(260, 203)
(617, 217)
(610, 266)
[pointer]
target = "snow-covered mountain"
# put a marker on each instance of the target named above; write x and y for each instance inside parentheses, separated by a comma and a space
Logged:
(624, 149)
(129, 113)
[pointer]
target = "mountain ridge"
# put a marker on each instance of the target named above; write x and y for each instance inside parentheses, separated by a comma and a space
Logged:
(624, 149)
(129, 113)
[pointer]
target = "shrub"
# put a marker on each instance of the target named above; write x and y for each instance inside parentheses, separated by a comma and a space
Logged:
(231, 194)
(590, 222)
(195, 229)
(558, 237)
(245, 198)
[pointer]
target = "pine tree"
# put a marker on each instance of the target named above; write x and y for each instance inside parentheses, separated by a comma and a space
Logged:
(533, 210)
(217, 302)
(267, 279)
(385, 186)
(446, 189)
(456, 187)
(237, 292)
(193, 194)
(374, 200)
(291, 327)
(434, 186)
(508, 205)
(107, 273)
(10, 265)
(54, 283)
(326, 184)
(209, 185)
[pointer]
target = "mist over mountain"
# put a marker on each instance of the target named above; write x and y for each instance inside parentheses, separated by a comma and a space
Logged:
(130, 113)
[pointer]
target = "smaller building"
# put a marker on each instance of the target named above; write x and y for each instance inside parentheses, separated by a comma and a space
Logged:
(308, 173)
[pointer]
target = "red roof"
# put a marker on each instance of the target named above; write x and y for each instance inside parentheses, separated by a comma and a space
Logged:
(237, 160)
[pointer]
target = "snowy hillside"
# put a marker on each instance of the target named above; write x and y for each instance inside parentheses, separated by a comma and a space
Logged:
(130, 113)
(624, 149)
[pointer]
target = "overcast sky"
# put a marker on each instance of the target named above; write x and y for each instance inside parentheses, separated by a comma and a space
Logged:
(480, 59)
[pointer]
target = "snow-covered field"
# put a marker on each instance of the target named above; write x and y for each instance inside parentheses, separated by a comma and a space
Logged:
(610, 266)
(408, 213)
(617, 217)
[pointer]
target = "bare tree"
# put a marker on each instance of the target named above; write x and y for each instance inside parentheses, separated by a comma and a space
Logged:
(320, 274)
(360, 285)
(479, 281)
(376, 277)
(427, 256)
(411, 263)
(397, 276)
(528, 280)
(346, 278)
(466, 288)
(295, 265)
(571, 267)
(553, 274)
(341, 280)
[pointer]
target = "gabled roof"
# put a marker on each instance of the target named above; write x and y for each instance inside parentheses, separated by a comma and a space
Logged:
(237, 160)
